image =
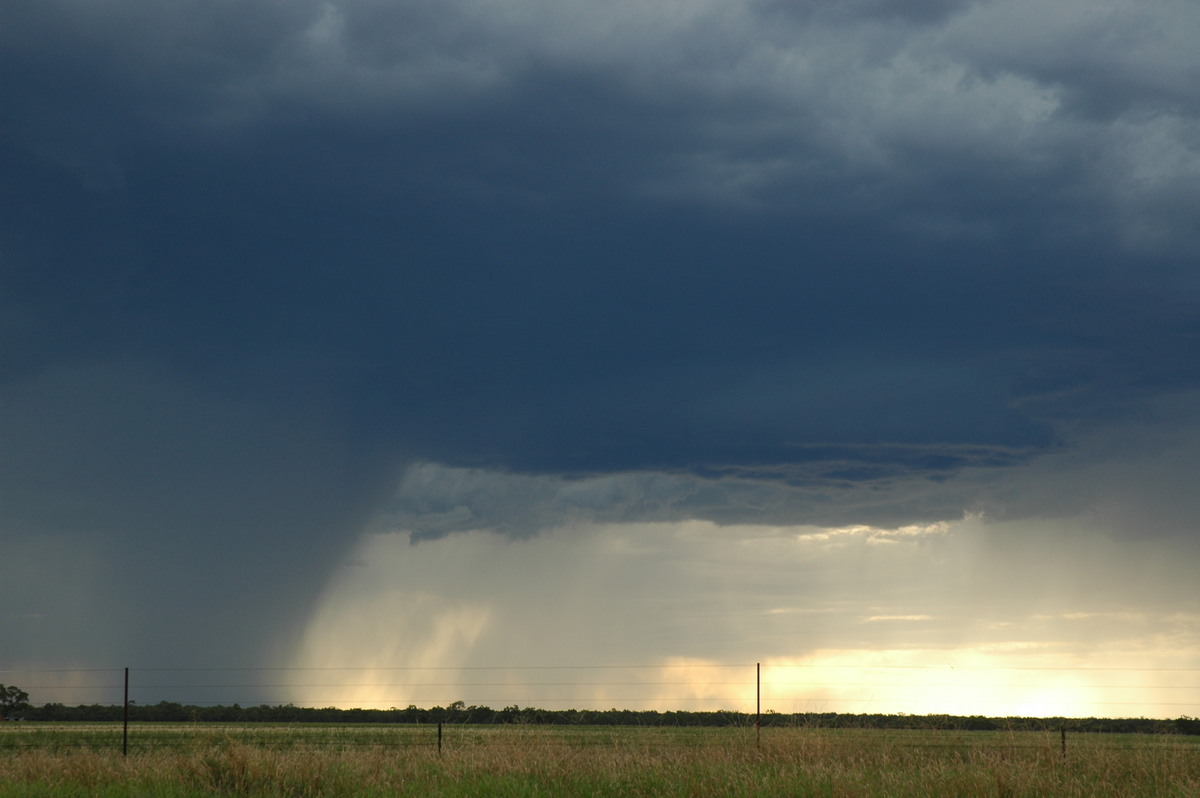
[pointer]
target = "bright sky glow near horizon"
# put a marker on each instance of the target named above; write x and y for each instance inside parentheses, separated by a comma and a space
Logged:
(838, 618)
(858, 339)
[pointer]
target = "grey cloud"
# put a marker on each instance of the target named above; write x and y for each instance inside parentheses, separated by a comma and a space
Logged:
(776, 116)
(1105, 60)
(885, 486)
(1124, 481)
(833, 162)
(919, 11)
(204, 522)
(1127, 479)
(433, 500)
(696, 261)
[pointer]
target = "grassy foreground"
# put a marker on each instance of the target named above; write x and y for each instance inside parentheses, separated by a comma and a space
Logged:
(552, 761)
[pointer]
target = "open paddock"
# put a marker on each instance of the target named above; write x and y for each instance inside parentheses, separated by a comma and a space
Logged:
(77, 759)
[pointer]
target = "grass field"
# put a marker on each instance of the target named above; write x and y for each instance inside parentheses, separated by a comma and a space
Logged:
(44, 759)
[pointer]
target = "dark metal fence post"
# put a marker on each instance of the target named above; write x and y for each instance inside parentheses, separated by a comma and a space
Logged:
(125, 720)
(758, 705)
(1064, 743)
(439, 737)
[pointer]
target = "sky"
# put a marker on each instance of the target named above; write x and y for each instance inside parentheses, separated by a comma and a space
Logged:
(411, 352)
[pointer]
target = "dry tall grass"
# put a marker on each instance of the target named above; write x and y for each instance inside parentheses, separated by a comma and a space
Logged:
(719, 763)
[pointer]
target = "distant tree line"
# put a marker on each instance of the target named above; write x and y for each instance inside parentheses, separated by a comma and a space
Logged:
(459, 712)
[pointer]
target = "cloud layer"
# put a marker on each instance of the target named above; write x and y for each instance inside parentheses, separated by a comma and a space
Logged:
(543, 263)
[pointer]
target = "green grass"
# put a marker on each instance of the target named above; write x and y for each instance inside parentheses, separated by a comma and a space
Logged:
(181, 760)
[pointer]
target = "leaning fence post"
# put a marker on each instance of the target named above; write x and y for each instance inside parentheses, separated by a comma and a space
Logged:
(1064, 743)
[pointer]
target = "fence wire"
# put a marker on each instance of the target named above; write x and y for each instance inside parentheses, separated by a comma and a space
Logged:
(177, 708)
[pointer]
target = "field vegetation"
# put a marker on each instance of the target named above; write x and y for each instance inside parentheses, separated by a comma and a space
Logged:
(85, 759)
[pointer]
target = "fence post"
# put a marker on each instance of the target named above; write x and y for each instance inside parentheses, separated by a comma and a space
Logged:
(125, 719)
(439, 738)
(758, 705)
(1064, 743)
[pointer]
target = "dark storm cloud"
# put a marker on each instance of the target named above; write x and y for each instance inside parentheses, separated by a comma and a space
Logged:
(771, 241)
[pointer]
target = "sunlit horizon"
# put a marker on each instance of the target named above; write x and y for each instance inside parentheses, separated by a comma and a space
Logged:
(877, 625)
(911, 682)
(841, 683)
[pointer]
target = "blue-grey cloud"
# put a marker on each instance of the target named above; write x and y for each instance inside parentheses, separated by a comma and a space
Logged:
(706, 245)
(273, 255)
